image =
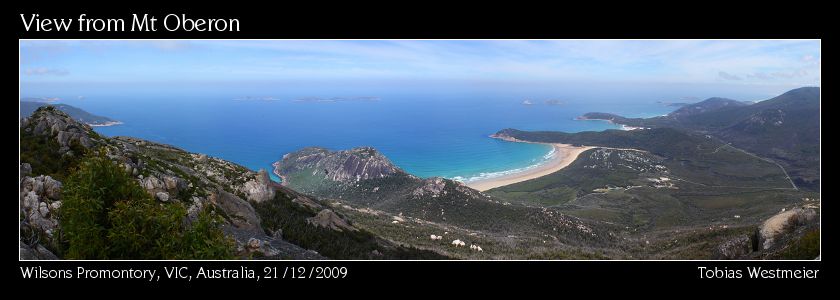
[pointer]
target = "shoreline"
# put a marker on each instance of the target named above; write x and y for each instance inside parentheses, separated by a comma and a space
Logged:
(283, 181)
(622, 126)
(106, 124)
(564, 155)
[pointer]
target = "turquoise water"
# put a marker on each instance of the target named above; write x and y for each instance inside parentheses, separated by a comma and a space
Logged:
(426, 131)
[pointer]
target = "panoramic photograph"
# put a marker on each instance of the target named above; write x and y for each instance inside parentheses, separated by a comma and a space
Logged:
(419, 149)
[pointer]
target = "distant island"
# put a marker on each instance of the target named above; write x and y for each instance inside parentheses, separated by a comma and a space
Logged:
(338, 99)
(29, 107)
(252, 98)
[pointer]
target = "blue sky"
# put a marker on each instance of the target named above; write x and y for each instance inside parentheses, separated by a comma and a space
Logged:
(777, 64)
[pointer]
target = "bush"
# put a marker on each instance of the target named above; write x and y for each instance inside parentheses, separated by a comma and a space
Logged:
(807, 247)
(282, 213)
(107, 215)
(41, 152)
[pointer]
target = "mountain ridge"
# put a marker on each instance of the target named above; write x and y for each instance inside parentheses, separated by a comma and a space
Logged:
(784, 128)
(27, 108)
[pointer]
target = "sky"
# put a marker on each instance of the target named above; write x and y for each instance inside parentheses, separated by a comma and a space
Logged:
(774, 64)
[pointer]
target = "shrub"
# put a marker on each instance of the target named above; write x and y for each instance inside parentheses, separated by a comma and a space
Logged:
(282, 213)
(41, 152)
(807, 247)
(107, 215)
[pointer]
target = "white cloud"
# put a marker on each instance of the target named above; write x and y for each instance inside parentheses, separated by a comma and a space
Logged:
(45, 72)
(728, 76)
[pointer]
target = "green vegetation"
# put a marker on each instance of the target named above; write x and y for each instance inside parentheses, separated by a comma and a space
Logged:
(807, 247)
(785, 129)
(105, 214)
(282, 213)
(41, 152)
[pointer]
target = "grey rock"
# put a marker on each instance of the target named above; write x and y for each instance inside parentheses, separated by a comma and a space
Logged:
(251, 242)
(30, 200)
(37, 252)
(328, 219)
(162, 196)
(44, 209)
(52, 188)
(259, 189)
(783, 223)
(343, 166)
(174, 184)
(153, 185)
(55, 123)
(240, 213)
(254, 243)
(37, 197)
(735, 248)
(195, 208)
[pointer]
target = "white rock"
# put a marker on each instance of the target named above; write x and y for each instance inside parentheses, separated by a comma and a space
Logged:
(162, 196)
(43, 209)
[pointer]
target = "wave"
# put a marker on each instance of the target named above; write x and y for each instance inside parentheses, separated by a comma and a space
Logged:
(489, 175)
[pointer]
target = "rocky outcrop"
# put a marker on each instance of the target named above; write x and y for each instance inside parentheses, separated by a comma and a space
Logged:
(772, 237)
(40, 198)
(259, 189)
(328, 219)
(237, 211)
(48, 121)
(775, 228)
(343, 166)
(433, 187)
(252, 244)
(168, 174)
(168, 185)
(736, 248)
(36, 252)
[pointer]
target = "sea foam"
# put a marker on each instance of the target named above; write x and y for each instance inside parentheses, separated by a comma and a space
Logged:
(490, 175)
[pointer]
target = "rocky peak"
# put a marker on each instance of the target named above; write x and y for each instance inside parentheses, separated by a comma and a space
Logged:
(344, 166)
(49, 121)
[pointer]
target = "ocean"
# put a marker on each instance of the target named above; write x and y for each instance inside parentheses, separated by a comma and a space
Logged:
(427, 130)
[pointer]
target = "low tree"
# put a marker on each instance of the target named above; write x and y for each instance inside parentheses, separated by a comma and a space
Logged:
(106, 214)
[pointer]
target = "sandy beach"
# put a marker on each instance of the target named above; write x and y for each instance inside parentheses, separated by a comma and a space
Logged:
(564, 155)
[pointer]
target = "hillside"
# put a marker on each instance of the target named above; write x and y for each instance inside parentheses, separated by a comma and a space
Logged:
(610, 203)
(784, 128)
(686, 194)
(649, 171)
(54, 145)
(405, 208)
(29, 107)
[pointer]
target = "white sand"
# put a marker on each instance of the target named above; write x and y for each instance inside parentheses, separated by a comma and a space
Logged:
(564, 155)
